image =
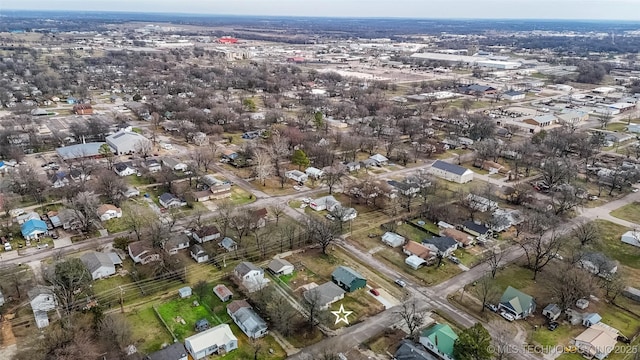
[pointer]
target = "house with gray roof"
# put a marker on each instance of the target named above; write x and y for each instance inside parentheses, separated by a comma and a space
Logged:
(198, 254)
(251, 276)
(517, 303)
(280, 267)
(168, 200)
(324, 295)
(125, 142)
(228, 244)
(444, 245)
(409, 350)
(247, 319)
(175, 351)
(451, 172)
(176, 243)
(42, 299)
(99, 264)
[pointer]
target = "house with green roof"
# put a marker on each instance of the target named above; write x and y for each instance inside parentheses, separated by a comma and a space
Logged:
(517, 303)
(348, 279)
(439, 340)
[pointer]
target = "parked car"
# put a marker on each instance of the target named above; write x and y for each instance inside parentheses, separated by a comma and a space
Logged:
(593, 198)
(507, 316)
(552, 326)
(400, 282)
(306, 200)
(42, 246)
(54, 235)
(491, 307)
(374, 292)
(330, 217)
(297, 187)
(372, 235)
(7, 247)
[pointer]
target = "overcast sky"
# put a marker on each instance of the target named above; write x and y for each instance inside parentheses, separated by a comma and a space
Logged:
(530, 9)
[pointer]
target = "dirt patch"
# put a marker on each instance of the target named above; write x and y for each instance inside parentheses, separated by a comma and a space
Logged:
(387, 341)
(8, 338)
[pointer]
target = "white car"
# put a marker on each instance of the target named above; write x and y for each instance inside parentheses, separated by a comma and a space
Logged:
(297, 188)
(306, 200)
(166, 146)
(634, 190)
(507, 316)
(7, 247)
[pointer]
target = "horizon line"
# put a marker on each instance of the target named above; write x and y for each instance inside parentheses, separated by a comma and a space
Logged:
(318, 17)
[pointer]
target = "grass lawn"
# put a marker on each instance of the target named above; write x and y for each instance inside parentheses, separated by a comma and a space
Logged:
(147, 331)
(138, 181)
(429, 275)
(287, 278)
(295, 204)
(629, 212)
(428, 225)
(184, 308)
(611, 245)
(273, 187)
(617, 126)
(241, 197)
(362, 304)
(412, 233)
(107, 285)
(560, 336)
(387, 341)
(245, 348)
(115, 225)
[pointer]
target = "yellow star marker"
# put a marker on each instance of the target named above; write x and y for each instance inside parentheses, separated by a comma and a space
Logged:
(341, 315)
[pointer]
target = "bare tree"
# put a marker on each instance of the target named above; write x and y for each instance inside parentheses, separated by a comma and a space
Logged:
(115, 327)
(612, 286)
(322, 233)
(487, 291)
(493, 257)
(263, 166)
(502, 340)
(568, 284)
(586, 233)
(539, 250)
(278, 210)
(412, 317)
(84, 206)
(109, 184)
(333, 176)
(144, 148)
(135, 219)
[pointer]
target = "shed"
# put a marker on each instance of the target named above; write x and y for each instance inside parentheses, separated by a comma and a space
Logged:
(280, 267)
(631, 293)
(202, 325)
(222, 292)
(184, 292)
(631, 238)
(415, 262)
(551, 311)
(591, 319)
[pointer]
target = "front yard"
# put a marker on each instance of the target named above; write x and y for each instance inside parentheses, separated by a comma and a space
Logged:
(629, 212)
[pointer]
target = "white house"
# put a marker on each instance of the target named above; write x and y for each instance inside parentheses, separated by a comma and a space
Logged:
(176, 243)
(251, 276)
(513, 95)
(324, 203)
(42, 299)
(217, 340)
(297, 176)
(247, 319)
(206, 233)
(380, 160)
(168, 200)
(142, 252)
(108, 212)
(415, 262)
(198, 254)
(124, 169)
(130, 192)
(393, 239)
(451, 172)
(99, 264)
(314, 172)
(175, 165)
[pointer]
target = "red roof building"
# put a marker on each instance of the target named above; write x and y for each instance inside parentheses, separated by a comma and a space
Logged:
(227, 40)
(83, 109)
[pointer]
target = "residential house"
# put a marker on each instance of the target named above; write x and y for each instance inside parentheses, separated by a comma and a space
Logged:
(168, 200)
(251, 276)
(258, 218)
(65, 218)
(108, 212)
(367, 163)
(175, 351)
(33, 229)
(405, 188)
(503, 219)
(201, 196)
(552, 312)
(174, 164)
(596, 342)
(517, 303)
(222, 292)
(185, 292)
(443, 245)
(355, 166)
(324, 295)
(126, 142)
(379, 160)
(124, 169)
(280, 267)
(408, 350)
(206, 233)
(475, 229)
(79, 175)
(297, 176)
(142, 252)
(31, 215)
(220, 191)
(131, 192)
(393, 239)
(415, 262)
(229, 154)
(59, 179)
(451, 172)
(439, 339)
(591, 319)
(463, 239)
(82, 109)
(416, 249)
(480, 203)
(99, 264)
(228, 244)
(198, 254)
(348, 279)
(328, 203)
(344, 213)
(152, 165)
(211, 180)
(42, 299)
(314, 172)
(217, 340)
(247, 319)
(176, 243)
(598, 264)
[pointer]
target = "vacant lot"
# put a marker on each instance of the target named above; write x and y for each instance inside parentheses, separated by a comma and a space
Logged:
(147, 331)
(428, 275)
(629, 212)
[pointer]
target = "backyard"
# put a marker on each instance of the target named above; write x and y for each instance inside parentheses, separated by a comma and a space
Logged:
(629, 212)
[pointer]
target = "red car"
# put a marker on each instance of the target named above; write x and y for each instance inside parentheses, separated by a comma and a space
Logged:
(374, 292)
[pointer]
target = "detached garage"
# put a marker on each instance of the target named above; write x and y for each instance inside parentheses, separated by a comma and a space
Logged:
(451, 172)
